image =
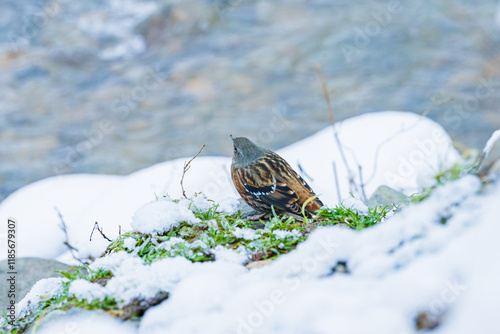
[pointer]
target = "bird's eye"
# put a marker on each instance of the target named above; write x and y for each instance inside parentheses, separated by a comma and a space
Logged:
(235, 150)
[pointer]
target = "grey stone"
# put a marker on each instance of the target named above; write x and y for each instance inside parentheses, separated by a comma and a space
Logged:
(386, 196)
(28, 272)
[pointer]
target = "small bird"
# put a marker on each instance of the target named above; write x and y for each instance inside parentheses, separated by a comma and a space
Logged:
(264, 179)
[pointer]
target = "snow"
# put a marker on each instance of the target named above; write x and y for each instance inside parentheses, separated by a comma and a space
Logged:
(129, 243)
(132, 278)
(44, 287)
(354, 203)
(280, 234)
(405, 266)
(245, 233)
(83, 289)
(399, 150)
(495, 137)
(80, 321)
(437, 256)
(38, 227)
(238, 256)
(161, 216)
(229, 205)
(198, 202)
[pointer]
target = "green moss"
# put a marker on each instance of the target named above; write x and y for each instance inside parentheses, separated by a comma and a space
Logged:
(455, 172)
(196, 242)
(352, 217)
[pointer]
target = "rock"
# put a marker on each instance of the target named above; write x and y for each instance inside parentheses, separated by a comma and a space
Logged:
(386, 196)
(246, 210)
(340, 267)
(258, 264)
(426, 321)
(29, 271)
(171, 27)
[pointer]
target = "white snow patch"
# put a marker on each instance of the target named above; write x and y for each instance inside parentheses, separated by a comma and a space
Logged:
(280, 234)
(83, 289)
(245, 233)
(129, 243)
(229, 205)
(198, 202)
(132, 278)
(160, 216)
(44, 287)
(81, 321)
(109, 262)
(397, 149)
(239, 255)
(354, 203)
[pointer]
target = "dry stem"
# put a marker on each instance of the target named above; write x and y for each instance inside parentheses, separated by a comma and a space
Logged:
(187, 165)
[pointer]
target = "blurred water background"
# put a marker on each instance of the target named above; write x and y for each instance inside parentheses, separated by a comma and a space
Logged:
(113, 86)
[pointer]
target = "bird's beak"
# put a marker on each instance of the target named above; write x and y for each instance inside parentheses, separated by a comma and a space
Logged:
(233, 138)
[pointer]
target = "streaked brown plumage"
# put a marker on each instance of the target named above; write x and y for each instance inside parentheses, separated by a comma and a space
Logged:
(264, 179)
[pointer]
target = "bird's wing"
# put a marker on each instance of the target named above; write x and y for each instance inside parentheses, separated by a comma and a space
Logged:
(309, 190)
(260, 181)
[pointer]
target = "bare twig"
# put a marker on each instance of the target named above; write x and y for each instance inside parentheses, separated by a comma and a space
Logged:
(336, 180)
(303, 172)
(187, 165)
(66, 237)
(325, 92)
(361, 183)
(352, 182)
(96, 227)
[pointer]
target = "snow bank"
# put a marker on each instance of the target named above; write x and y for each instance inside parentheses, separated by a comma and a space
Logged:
(412, 263)
(161, 216)
(80, 321)
(44, 287)
(437, 257)
(393, 148)
(400, 150)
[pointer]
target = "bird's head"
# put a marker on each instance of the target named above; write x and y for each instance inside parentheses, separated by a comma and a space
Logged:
(245, 152)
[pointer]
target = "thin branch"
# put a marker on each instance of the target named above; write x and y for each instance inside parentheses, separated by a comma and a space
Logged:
(362, 184)
(96, 227)
(66, 237)
(303, 172)
(325, 92)
(336, 180)
(335, 133)
(187, 165)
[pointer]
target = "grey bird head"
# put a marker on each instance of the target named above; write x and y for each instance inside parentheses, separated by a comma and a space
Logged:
(245, 152)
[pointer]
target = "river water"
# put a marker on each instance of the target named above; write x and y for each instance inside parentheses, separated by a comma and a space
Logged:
(115, 86)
